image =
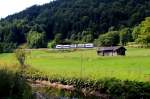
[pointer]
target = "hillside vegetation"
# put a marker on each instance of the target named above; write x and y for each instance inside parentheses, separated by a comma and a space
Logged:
(72, 21)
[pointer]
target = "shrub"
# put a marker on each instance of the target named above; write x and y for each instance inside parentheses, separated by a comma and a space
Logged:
(13, 85)
(51, 44)
(21, 56)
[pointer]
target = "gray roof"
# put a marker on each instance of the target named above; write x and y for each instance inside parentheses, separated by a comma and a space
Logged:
(110, 48)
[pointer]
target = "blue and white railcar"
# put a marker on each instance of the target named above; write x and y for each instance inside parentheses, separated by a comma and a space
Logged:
(66, 46)
(73, 46)
(89, 45)
(59, 46)
(80, 45)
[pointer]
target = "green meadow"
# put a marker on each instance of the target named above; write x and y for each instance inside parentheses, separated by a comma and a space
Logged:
(87, 64)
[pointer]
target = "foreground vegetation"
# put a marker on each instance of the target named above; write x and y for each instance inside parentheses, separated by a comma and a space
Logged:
(82, 69)
(13, 85)
(107, 88)
(86, 64)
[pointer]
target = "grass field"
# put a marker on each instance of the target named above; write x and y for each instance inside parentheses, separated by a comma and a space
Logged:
(85, 63)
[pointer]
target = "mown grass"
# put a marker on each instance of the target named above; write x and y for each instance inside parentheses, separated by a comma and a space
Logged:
(85, 63)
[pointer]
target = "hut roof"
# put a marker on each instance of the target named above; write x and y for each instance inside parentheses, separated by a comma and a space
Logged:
(110, 48)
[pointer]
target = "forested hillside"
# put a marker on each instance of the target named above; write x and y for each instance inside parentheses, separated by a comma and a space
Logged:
(67, 21)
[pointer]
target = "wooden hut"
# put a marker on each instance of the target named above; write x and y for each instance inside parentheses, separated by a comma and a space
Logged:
(111, 51)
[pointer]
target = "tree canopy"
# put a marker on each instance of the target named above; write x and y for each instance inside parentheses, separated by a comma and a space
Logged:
(109, 39)
(142, 32)
(36, 40)
(75, 20)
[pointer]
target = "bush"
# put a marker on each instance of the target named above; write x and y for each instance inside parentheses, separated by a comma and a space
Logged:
(51, 44)
(21, 56)
(13, 86)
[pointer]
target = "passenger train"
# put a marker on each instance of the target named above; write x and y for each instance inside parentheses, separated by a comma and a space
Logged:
(89, 45)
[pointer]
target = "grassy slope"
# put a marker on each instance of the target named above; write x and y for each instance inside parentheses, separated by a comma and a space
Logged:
(135, 66)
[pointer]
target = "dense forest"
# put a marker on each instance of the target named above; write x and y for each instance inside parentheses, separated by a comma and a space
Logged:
(74, 21)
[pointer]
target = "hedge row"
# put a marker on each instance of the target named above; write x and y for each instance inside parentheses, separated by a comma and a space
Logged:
(110, 86)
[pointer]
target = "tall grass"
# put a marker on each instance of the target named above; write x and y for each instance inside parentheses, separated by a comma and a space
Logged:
(134, 66)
